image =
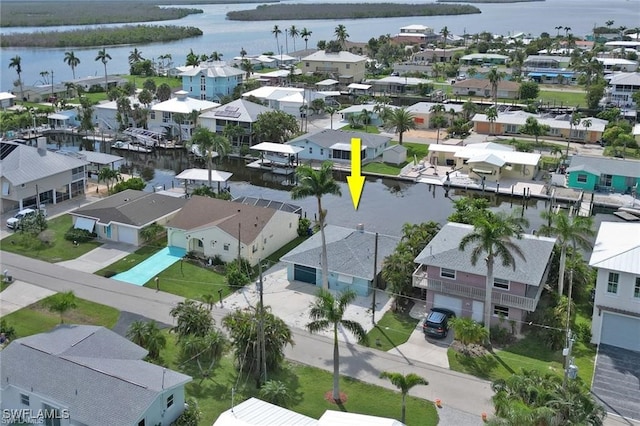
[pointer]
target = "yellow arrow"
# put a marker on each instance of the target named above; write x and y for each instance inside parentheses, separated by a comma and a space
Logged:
(355, 181)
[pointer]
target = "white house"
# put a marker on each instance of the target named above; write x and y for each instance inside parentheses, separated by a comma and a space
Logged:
(88, 375)
(6, 99)
(335, 145)
(163, 113)
(616, 312)
(105, 113)
(285, 99)
(239, 113)
(212, 227)
(621, 88)
(395, 154)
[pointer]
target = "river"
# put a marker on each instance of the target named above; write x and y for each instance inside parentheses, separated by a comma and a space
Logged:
(229, 37)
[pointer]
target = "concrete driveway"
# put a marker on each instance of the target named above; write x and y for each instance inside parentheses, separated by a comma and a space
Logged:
(99, 257)
(617, 381)
(19, 295)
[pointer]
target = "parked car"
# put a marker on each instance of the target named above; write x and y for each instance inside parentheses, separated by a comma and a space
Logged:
(14, 222)
(436, 324)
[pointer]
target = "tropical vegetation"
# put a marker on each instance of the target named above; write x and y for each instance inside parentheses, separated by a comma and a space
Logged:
(404, 383)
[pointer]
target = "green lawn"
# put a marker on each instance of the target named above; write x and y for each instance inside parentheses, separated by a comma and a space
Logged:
(369, 129)
(57, 250)
(383, 168)
(307, 385)
(190, 281)
(173, 82)
(562, 98)
(37, 319)
(611, 151)
(419, 150)
(526, 353)
(392, 330)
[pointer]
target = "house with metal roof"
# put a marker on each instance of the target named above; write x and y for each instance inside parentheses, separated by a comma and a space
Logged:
(88, 375)
(286, 99)
(34, 176)
(335, 145)
(397, 84)
(163, 114)
(65, 119)
(612, 65)
(240, 112)
(616, 312)
(105, 115)
(535, 62)
(603, 174)
(452, 281)
(357, 110)
(343, 66)
(422, 113)
(484, 59)
(509, 123)
(6, 99)
(350, 259)
(211, 80)
(482, 87)
(211, 227)
(120, 217)
(486, 161)
(621, 87)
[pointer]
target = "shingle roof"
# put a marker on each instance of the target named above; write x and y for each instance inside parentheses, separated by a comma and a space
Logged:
(443, 252)
(92, 381)
(26, 164)
(204, 212)
(606, 165)
(349, 251)
(328, 137)
(617, 247)
(131, 207)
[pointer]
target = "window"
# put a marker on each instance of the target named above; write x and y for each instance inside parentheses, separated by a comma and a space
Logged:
(636, 289)
(141, 423)
(170, 401)
(448, 273)
(310, 150)
(612, 284)
(226, 247)
(24, 399)
(321, 151)
(582, 178)
(52, 415)
(152, 115)
(501, 284)
(200, 244)
(254, 248)
(348, 66)
(501, 311)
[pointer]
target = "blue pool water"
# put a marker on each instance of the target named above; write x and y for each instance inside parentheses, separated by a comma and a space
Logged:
(151, 267)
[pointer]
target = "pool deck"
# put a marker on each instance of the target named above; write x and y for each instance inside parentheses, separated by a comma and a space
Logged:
(151, 267)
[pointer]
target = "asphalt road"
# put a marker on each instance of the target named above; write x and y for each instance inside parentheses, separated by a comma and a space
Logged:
(464, 397)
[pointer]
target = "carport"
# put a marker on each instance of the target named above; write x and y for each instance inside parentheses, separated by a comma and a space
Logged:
(617, 379)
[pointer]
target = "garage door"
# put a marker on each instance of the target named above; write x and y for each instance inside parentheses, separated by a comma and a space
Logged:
(453, 303)
(127, 235)
(304, 274)
(620, 331)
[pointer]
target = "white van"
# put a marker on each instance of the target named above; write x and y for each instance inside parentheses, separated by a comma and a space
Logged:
(13, 222)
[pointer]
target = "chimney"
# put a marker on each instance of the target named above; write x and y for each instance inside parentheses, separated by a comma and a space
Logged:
(360, 227)
(42, 145)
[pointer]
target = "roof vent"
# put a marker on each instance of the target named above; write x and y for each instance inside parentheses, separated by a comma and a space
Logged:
(360, 227)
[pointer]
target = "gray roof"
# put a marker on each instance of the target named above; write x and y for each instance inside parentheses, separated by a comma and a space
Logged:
(349, 251)
(23, 164)
(90, 381)
(605, 166)
(131, 207)
(443, 252)
(239, 110)
(100, 157)
(326, 138)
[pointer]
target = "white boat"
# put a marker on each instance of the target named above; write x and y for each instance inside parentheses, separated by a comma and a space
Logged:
(130, 147)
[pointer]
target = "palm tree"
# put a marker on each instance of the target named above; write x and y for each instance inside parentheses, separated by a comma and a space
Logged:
(568, 230)
(365, 118)
(107, 175)
(492, 237)
(72, 60)
(469, 108)
(305, 34)
(16, 62)
(401, 120)
(438, 119)
(330, 110)
(247, 67)
(317, 183)
(494, 76)
(586, 123)
(135, 56)
(558, 28)
(208, 144)
(61, 303)
(276, 32)
(294, 33)
(179, 118)
(148, 335)
(327, 312)
(341, 35)
(404, 383)
(243, 52)
(574, 120)
(104, 57)
(492, 116)
(216, 56)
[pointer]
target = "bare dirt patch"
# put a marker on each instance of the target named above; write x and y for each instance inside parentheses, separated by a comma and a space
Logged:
(469, 350)
(328, 396)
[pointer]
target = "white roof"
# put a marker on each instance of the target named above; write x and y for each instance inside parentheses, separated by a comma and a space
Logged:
(358, 108)
(359, 86)
(425, 107)
(255, 412)
(617, 247)
(616, 61)
(58, 116)
(211, 69)
(6, 95)
(625, 78)
(327, 82)
(203, 175)
(272, 92)
(277, 147)
(341, 418)
(345, 146)
(488, 158)
(493, 156)
(342, 56)
(280, 73)
(184, 104)
(408, 81)
(114, 104)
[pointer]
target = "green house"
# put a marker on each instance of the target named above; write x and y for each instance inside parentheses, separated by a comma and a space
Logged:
(604, 174)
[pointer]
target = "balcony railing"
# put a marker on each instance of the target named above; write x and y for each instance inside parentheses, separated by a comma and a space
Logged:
(326, 69)
(498, 297)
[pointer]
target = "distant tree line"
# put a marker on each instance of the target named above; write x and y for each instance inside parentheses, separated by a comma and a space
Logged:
(486, 1)
(31, 14)
(347, 11)
(129, 34)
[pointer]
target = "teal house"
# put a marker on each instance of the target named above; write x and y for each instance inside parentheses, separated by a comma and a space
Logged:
(350, 259)
(604, 174)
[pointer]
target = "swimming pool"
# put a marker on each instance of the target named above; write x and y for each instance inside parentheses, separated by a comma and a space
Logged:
(151, 267)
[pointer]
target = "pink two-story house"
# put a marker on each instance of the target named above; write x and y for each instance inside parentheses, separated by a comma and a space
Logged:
(451, 281)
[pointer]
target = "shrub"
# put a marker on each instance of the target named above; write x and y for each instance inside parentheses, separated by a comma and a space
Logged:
(109, 274)
(8, 330)
(583, 331)
(133, 183)
(236, 278)
(217, 260)
(276, 392)
(79, 235)
(190, 416)
(304, 227)
(501, 336)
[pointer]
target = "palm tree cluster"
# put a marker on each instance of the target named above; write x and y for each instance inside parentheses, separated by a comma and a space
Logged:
(148, 335)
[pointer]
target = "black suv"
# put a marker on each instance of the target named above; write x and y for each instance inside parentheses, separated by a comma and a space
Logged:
(437, 322)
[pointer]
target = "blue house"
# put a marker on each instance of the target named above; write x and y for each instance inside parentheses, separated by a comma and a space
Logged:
(350, 257)
(335, 145)
(211, 81)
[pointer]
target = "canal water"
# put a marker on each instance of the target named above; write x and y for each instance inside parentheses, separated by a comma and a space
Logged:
(386, 204)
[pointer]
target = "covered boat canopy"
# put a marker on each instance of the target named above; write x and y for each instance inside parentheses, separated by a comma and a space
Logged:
(277, 147)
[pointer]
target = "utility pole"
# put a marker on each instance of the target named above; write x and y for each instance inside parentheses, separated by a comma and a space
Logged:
(570, 370)
(52, 95)
(375, 280)
(239, 242)
(262, 353)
